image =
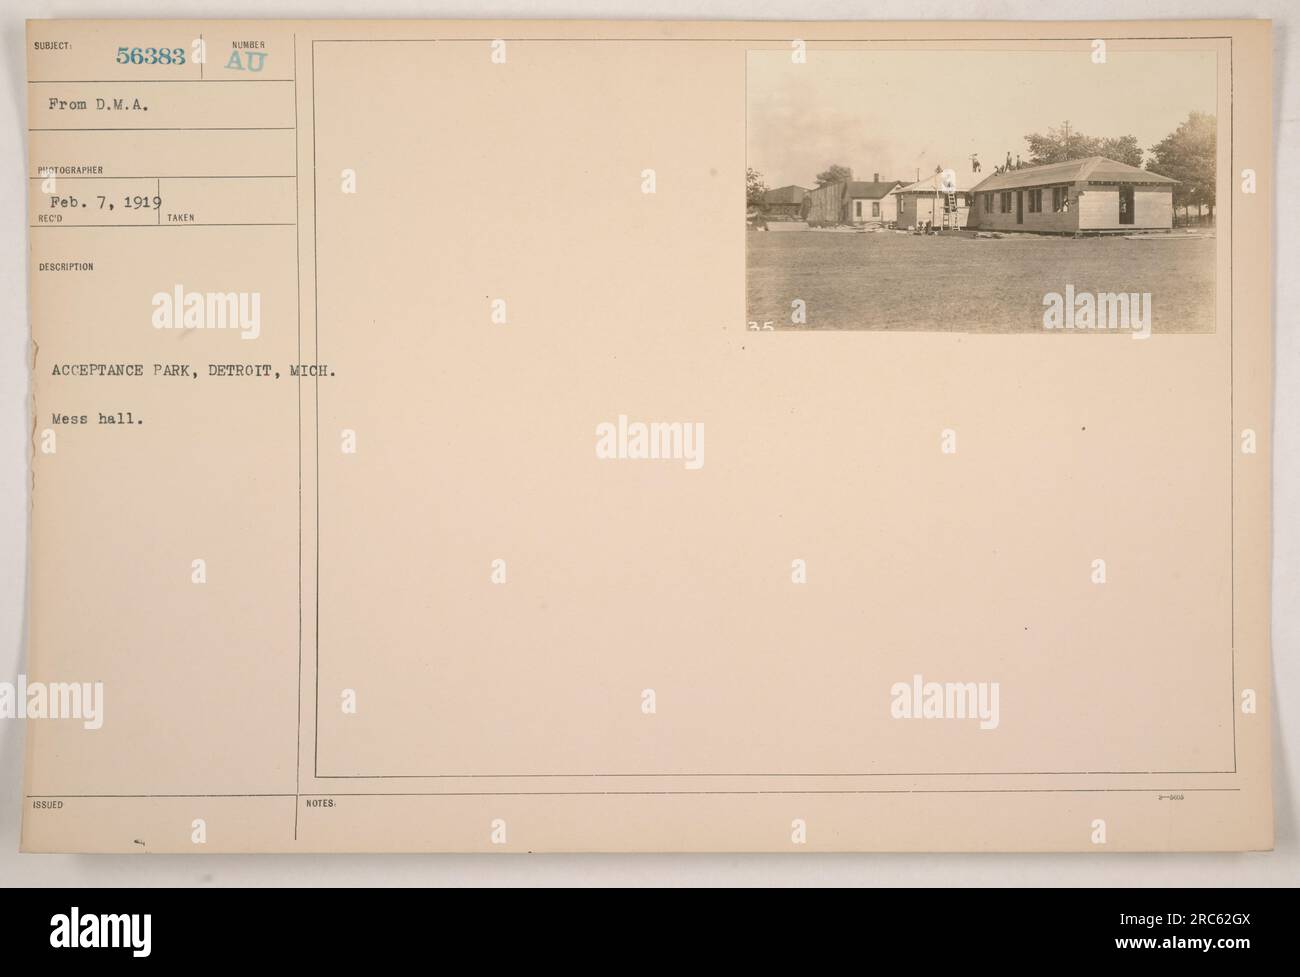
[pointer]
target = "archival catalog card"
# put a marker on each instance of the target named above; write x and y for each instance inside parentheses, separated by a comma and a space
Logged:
(437, 448)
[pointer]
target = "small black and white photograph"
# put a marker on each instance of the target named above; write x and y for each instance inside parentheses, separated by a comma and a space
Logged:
(982, 191)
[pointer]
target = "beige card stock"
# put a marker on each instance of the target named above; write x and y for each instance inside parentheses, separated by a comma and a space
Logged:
(437, 448)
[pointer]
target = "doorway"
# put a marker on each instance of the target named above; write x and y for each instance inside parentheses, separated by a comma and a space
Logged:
(1126, 205)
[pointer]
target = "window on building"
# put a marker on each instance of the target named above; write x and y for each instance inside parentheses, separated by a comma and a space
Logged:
(1005, 201)
(875, 208)
(1060, 196)
(988, 203)
(1035, 201)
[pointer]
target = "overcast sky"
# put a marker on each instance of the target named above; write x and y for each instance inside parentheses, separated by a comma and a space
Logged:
(894, 111)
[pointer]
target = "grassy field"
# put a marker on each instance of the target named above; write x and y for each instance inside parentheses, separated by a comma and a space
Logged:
(962, 283)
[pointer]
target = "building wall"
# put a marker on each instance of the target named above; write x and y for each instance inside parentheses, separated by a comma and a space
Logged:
(1099, 209)
(922, 207)
(1048, 221)
(824, 204)
(888, 210)
(1091, 209)
(1154, 208)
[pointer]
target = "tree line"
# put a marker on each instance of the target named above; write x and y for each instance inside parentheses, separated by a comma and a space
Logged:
(1187, 155)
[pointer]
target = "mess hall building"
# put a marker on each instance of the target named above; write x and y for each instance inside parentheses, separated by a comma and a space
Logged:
(1092, 195)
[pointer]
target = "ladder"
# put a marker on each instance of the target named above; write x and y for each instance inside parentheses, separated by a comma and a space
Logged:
(951, 216)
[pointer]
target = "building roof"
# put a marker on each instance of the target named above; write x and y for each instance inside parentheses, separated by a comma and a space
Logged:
(1095, 169)
(785, 195)
(930, 184)
(860, 189)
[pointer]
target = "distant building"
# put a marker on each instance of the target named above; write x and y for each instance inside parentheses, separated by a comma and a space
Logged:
(1095, 194)
(933, 201)
(784, 202)
(852, 202)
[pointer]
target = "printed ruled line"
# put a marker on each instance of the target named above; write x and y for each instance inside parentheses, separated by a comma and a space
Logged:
(660, 793)
(778, 44)
(1232, 403)
(154, 81)
(692, 793)
(179, 224)
(297, 303)
(164, 176)
(774, 776)
(150, 797)
(315, 313)
(167, 129)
